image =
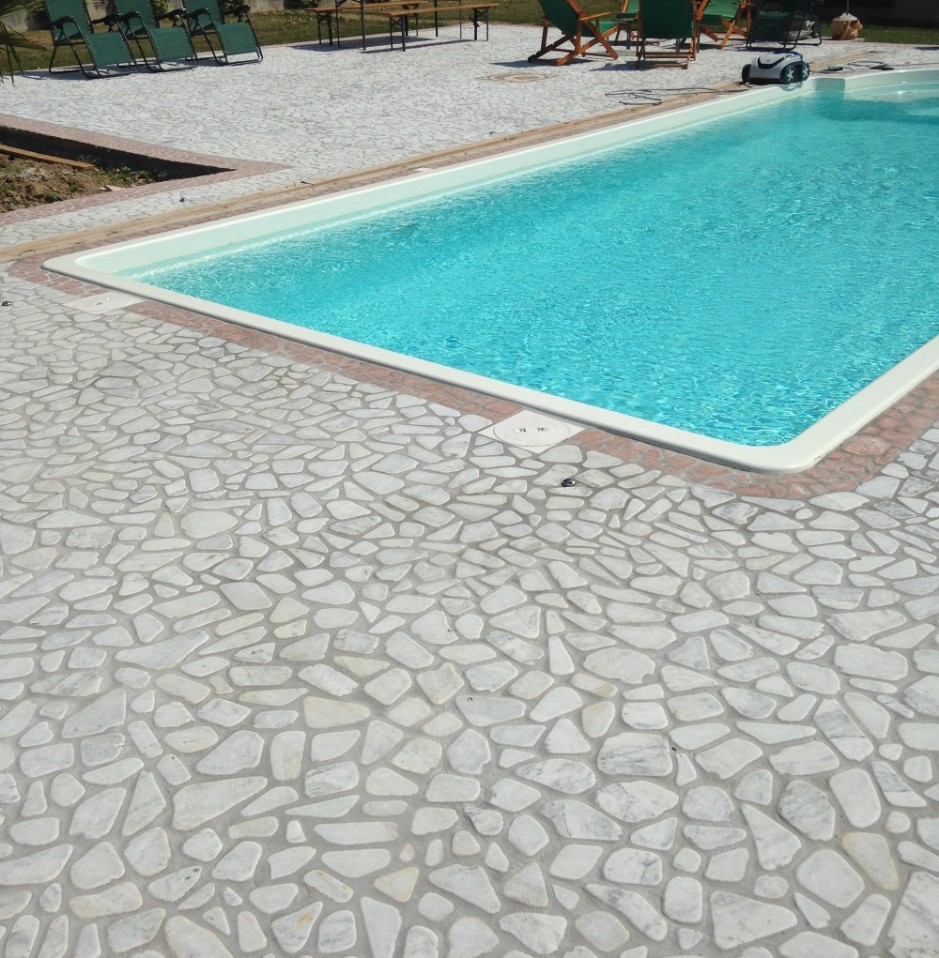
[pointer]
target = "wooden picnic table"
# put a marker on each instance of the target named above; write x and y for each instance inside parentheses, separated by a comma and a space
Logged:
(402, 14)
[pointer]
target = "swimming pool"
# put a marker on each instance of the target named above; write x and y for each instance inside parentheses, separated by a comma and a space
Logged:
(683, 385)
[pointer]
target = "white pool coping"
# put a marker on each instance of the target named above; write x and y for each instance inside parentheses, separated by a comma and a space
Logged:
(97, 266)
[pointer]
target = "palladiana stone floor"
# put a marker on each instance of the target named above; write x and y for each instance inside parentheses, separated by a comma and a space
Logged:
(294, 663)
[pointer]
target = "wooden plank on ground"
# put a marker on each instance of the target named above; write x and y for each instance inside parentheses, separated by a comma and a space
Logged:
(44, 157)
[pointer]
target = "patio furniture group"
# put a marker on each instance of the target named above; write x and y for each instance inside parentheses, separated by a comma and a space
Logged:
(134, 34)
(668, 31)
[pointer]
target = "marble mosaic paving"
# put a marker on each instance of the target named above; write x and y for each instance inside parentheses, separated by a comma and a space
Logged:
(294, 665)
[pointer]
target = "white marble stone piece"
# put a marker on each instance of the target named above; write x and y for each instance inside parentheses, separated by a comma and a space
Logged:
(527, 886)
(828, 875)
(872, 853)
(635, 753)
(864, 925)
(914, 928)
(739, 920)
(631, 866)
(636, 801)
(561, 775)
(575, 861)
(469, 883)
(807, 809)
(727, 758)
(683, 900)
(638, 912)
(809, 943)
(337, 932)
(580, 822)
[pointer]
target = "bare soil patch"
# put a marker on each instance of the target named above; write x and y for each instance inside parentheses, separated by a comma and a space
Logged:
(36, 169)
(26, 182)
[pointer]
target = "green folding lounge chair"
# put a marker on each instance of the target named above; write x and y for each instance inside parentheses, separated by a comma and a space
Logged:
(581, 30)
(670, 20)
(722, 19)
(204, 19)
(784, 23)
(70, 27)
(140, 24)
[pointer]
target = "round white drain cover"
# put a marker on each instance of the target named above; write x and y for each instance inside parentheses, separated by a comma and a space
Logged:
(104, 302)
(529, 430)
(517, 77)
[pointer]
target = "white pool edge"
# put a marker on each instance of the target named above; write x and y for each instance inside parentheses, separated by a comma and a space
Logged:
(796, 455)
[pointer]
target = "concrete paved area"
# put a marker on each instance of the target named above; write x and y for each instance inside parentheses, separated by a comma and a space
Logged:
(295, 663)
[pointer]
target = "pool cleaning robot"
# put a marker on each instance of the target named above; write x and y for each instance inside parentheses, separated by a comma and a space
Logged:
(779, 67)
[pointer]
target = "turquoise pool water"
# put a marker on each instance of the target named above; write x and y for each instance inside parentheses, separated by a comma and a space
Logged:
(738, 280)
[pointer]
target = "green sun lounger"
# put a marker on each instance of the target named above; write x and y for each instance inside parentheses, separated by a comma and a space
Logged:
(667, 20)
(170, 44)
(225, 39)
(70, 27)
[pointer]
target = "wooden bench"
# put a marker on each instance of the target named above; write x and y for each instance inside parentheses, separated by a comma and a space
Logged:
(477, 12)
(402, 16)
(358, 11)
(324, 17)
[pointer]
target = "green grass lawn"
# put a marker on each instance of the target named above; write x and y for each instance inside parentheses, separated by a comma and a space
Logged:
(299, 26)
